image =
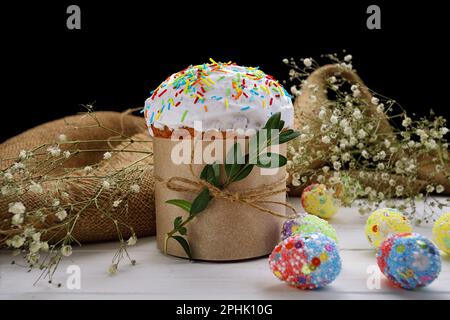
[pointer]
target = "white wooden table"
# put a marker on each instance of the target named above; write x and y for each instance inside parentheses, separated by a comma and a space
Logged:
(156, 276)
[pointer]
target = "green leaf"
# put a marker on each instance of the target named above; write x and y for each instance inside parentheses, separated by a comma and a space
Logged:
(234, 160)
(177, 222)
(182, 231)
(273, 122)
(288, 135)
(211, 174)
(183, 242)
(244, 173)
(216, 170)
(271, 160)
(183, 204)
(281, 125)
(258, 143)
(201, 202)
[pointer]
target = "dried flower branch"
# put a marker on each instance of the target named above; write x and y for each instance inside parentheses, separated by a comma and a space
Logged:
(42, 231)
(363, 144)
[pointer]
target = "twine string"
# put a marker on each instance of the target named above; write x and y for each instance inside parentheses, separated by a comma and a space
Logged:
(253, 197)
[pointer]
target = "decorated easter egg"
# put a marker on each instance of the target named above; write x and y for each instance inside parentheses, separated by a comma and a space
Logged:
(441, 232)
(409, 260)
(319, 201)
(383, 222)
(308, 223)
(306, 261)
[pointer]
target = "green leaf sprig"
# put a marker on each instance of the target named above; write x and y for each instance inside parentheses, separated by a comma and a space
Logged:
(237, 167)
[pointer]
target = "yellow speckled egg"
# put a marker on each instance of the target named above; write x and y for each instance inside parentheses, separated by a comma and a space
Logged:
(383, 222)
(441, 232)
(319, 201)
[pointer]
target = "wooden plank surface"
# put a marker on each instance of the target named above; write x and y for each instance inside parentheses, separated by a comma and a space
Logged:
(156, 276)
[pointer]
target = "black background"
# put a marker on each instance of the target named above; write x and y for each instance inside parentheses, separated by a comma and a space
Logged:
(127, 48)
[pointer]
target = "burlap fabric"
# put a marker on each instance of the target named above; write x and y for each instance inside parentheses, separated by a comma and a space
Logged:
(92, 225)
(307, 107)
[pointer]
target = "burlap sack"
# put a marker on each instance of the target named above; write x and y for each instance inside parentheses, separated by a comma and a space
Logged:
(307, 107)
(92, 226)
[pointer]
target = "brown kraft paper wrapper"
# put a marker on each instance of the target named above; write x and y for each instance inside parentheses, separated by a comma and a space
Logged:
(225, 230)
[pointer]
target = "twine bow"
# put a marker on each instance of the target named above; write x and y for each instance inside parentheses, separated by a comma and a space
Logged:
(253, 197)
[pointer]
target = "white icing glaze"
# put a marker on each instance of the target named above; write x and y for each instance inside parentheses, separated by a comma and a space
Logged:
(219, 96)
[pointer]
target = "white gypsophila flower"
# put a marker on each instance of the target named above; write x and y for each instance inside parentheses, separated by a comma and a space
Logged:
(307, 62)
(334, 158)
(17, 241)
(380, 108)
(285, 61)
(107, 155)
(56, 202)
(406, 122)
(348, 58)
(422, 134)
(353, 141)
(357, 114)
(429, 188)
(392, 182)
(356, 93)
(17, 219)
(7, 190)
(354, 87)
(64, 195)
(380, 166)
(326, 139)
(332, 79)
(106, 184)
(35, 247)
(62, 137)
(387, 143)
(344, 123)
(36, 236)
(365, 154)
(8, 176)
(375, 101)
(399, 190)
(348, 131)
(313, 98)
(440, 188)
(135, 188)
(112, 269)
(88, 169)
(61, 214)
(66, 154)
(346, 157)
(443, 130)
(44, 246)
(132, 240)
(54, 151)
(325, 169)
(382, 154)
(393, 149)
(361, 134)
(323, 128)
(349, 104)
(385, 176)
(116, 203)
(66, 250)
(294, 90)
(35, 187)
(334, 119)
(22, 155)
(431, 144)
(18, 166)
(16, 208)
(337, 165)
(322, 114)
